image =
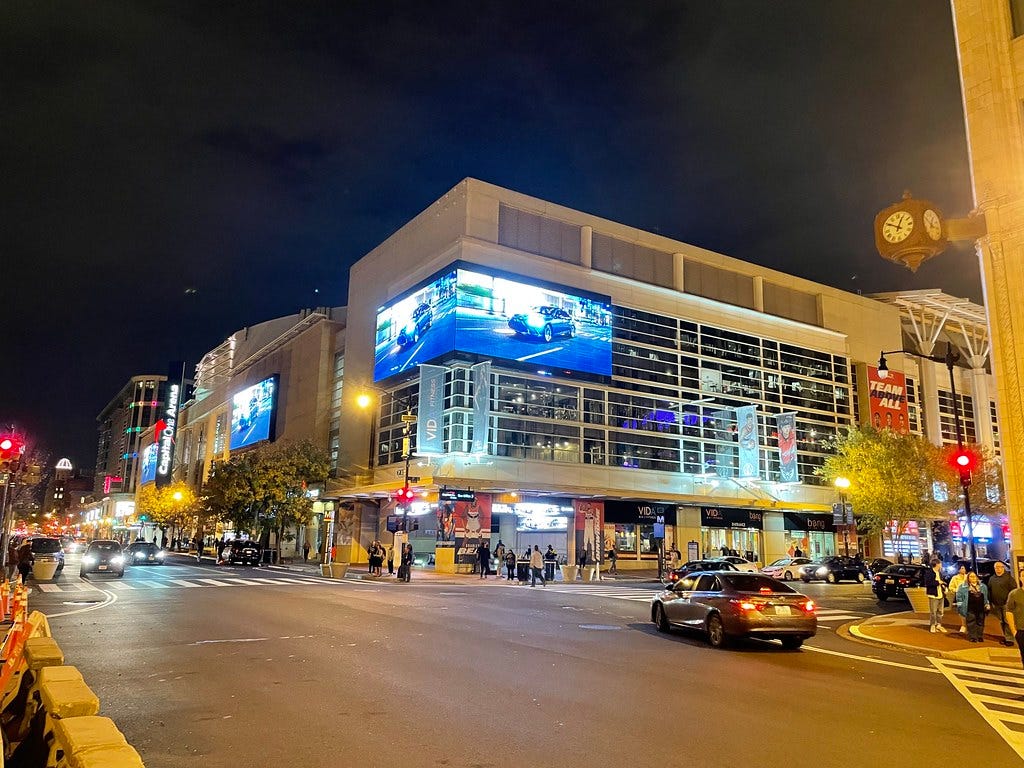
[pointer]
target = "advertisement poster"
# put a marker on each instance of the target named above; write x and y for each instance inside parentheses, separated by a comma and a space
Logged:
(466, 523)
(481, 373)
(785, 424)
(430, 416)
(723, 428)
(887, 400)
(252, 414)
(747, 433)
(589, 529)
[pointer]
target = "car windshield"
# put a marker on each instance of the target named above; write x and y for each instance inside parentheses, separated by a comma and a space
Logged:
(104, 546)
(143, 546)
(45, 546)
(752, 582)
(781, 561)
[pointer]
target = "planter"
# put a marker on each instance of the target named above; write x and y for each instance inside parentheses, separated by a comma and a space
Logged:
(338, 570)
(44, 570)
(325, 570)
(569, 572)
(918, 598)
(590, 573)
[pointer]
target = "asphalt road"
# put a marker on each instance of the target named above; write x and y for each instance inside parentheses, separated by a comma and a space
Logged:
(293, 670)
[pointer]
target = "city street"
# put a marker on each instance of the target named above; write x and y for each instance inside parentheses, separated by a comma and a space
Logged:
(266, 666)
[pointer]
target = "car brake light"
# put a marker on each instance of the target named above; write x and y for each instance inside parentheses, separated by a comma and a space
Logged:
(809, 606)
(878, 577)
(766, 590)
(904, 582)
(748, 605)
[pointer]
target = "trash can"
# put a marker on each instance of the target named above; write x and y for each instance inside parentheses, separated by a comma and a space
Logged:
(523, 570)
(590, 573)
(569, 572)
(44, 570)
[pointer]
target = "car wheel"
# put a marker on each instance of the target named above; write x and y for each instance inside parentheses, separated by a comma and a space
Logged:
(787, 576)
(860, 577)
(81, 574)
(831, 578)
(792, 643)
(660, 619)
(716, 631)
(121, 573)
(548, 335)
(805, 579)
(881, 598)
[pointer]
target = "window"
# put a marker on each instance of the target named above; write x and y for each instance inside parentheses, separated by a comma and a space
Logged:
(751, 582)
(708, 583)
(686, 585)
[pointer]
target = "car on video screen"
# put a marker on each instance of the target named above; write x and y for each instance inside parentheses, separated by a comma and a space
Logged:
(543, 323)
(420, 321)
(144, 553)
(896, 579)
(48, 548)
(835, 569)
(693, 566)
(103, 556)
(785, 568)
(241, 552)
(730, 604)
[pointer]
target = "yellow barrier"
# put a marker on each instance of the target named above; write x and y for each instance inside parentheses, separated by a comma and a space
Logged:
(80, 735)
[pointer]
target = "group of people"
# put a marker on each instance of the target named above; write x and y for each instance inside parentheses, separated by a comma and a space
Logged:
(378, 554)
(973, 600)
(20, 559)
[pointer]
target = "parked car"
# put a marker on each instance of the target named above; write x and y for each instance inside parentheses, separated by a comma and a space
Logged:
(785, 568)
(144, 553)
(699, 565)
(417, 325)
(894, 581)
(48, 548)
(986, 567)
(728, 604)
(543, 323)
(835, 569)
(879, 564)
(103, 556)
(739, 563)
(244, 552)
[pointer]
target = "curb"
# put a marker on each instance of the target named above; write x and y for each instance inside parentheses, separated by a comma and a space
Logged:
(853, 633)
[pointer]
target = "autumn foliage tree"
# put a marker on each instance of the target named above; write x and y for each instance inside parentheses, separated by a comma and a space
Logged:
(174, 506)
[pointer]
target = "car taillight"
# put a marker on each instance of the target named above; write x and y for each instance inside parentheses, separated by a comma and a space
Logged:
(809, 606)
(878, 577)
(747, 605)
(904, 582)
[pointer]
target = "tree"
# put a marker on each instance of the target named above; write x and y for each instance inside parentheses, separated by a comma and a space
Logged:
(264, 490)
(173, 506)
(892, 477)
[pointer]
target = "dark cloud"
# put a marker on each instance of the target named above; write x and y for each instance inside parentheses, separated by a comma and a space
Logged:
(255, 150)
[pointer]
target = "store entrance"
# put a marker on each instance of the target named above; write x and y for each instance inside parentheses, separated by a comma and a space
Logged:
(746, 542)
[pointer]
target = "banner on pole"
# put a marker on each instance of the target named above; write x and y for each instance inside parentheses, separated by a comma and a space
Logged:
(747, 430)
(430, 416)
(785, 424)
(481, 374)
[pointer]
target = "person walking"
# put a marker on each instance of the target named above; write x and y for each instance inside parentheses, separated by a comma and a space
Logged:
(613, 559)
(12, 559)
(407, 561)
(536, 567)
(1015, 615)
(550, 559)
(305, 551)
(675, 558)
(483, 556)
(1000, 585)
(582, 560)
(26, 559)
(510, 565)
(934, 587)
(798, 552)
(954, 585)
(972, 603)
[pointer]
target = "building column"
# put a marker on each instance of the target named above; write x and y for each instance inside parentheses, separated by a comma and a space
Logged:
(979, 392)
(928, 395)
(678, 260)
(587, 246)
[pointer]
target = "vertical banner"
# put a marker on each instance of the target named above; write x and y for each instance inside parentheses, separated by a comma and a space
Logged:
(723, 426)
(887, 400)
(430, 416)
(472, 525)
(166, 428)
(481, 406)
(785, 424)
(589, 525)
(746, 428)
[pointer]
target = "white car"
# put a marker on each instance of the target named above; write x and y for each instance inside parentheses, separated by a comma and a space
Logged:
(785, 568)
(738, 562)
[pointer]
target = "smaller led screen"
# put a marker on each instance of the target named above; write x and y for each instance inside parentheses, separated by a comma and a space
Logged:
(252, 414)
(149, 454)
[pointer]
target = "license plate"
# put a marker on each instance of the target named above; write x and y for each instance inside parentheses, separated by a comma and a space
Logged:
(783, 610)
(103, 567)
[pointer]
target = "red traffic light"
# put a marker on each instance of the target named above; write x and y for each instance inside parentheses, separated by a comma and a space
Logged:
(965, 460)
(11, 447)
(405, 495)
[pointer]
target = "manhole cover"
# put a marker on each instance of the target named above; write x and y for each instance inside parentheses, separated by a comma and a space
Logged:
(601, 627)
(82, 602)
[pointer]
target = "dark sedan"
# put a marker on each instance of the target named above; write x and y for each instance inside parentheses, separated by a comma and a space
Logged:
(896, 579)
(144, 553)
(103, 556)
(243, 552)
(699, 565)
(543, 323)
(728, 604)
(835, 569)
(420, 321)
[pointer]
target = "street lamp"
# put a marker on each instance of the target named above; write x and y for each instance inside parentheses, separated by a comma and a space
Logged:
(950, 359)
(841, 484)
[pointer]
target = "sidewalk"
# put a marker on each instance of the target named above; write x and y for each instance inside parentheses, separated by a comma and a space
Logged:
(909, 631)
(359, 571)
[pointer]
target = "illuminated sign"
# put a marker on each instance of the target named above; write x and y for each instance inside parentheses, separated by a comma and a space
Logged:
(253, 414)
(148, 471)
(124, 508)
(166, 437)
(887, 400)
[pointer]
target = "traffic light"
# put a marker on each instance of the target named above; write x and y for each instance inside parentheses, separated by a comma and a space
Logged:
(964, 461)
(11, 449)
(405, 495)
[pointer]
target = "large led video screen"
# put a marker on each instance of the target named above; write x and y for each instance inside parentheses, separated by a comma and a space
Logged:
(252, 414)
(148, 473)
(496, 316)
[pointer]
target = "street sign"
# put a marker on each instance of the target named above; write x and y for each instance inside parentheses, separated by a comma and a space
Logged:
(413, 479)
(659, 527)
(408, 418)
(842, 516)
(394, 523)
(453, 494)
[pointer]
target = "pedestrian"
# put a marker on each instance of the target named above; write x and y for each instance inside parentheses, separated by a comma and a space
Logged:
(305, 551)
(26, 559)
(954, 584)
(972, 603)
(483, 557)
(613, 558)
(407, 558)
(550, 560)
(1015, 615)
(199, 549)
(798, 552)
(391, 559)
(536, 566)
(934, 587)
(725, 551)
(675, 558)
(499, 554)
(1000, 585)
(220, 548)
(376, 558)
(510, 565)
(12, 559)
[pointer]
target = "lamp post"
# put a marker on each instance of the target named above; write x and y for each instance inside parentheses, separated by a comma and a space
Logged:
(841, 483)
(950, 359)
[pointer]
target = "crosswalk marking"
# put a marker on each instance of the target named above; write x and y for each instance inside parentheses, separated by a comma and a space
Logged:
(152, 584)
(48, 587)
(215, 583)
(119, 585)
(996, 693)
(183, 583)
(247, 582)
(72, 587)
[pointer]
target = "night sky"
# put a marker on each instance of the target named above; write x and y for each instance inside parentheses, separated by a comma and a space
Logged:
(253, 151)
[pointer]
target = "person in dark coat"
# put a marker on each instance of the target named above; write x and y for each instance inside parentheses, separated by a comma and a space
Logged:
(550, 560)
(1000, 585)
(510, 564)
(407, 557)
(483, 556)
(25, 561)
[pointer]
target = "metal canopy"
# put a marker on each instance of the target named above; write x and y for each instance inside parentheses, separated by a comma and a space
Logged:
(930, 314)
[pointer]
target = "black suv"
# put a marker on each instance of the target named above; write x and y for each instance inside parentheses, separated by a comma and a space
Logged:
(48, 548)
(244, 552)
(421, 319)
(835, 569)
(103, 556)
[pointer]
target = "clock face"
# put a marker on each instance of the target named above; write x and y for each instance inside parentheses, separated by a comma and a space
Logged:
(932, 225)
(898, 227)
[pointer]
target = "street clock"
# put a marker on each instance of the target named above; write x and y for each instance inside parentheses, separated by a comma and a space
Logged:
(910, 232)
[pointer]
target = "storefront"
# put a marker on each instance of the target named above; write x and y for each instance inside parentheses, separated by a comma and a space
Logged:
(530, 522)
(729, 529)
(813, 535)
(991, 536)
(629, 526)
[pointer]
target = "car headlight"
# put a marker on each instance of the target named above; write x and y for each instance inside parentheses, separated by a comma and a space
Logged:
(139, 555)
(160, 555)
(822, 571)
(117, 560)
(535, 320)
(89, 560)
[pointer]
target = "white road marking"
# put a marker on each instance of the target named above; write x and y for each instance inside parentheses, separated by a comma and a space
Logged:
(183, 583)
(539, 354)
(234, 640)
(215, 583)
(48, 587)
(121, 585)
(247, 582)
(966, 678)
(111, 598)
(870, 660)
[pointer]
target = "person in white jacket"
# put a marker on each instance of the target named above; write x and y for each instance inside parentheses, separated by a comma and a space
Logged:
(537, 567)
(954, 584)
